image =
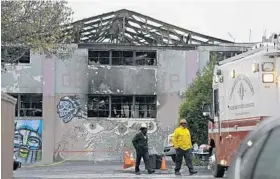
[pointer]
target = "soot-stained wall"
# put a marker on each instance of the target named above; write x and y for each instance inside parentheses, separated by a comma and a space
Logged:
(122, 80)
(82, 138)
(24, 78)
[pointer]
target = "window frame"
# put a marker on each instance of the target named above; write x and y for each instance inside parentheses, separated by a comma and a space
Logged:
(146, 58)
(30, 109)
(98, 110)
(130, 103)
(149, 105)
(222, 55)
(112, 57)
(27, 54)
(113, 102)
(91, 58)
(121, 59)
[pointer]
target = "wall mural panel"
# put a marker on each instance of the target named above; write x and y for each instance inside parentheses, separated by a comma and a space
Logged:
(28, 140)
(100, 139)
(69, 107)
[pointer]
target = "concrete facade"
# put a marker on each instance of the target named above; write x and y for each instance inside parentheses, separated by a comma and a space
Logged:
(7, 135)
(65, 84)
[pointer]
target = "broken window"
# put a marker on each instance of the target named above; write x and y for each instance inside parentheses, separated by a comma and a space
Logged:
(122, 58)
(98, 106)
(15, 55)
(15, 95)
(98, 57)
(226, 54)
(122, 106)
(145, 107)
(28, 105)
(145, 58)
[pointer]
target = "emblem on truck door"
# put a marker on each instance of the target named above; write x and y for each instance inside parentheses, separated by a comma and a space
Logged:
(241, 78)
(243, 85)
(241, 91)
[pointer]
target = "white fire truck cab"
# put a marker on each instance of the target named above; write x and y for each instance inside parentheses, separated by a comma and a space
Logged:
(246, 90)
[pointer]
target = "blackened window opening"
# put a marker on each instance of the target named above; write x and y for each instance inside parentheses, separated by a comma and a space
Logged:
(122, 58)
(15, 55)
(98, 57)
(145, 58)
(222, 55)
(98, 106)
(31, 105)
(28, 104)
(145, 107)
(122, 106)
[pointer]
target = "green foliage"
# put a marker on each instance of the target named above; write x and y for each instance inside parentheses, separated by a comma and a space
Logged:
(199, 92)
(33, 24)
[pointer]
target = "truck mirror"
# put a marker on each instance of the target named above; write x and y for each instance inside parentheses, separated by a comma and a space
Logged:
(206, 109)
(207, 112)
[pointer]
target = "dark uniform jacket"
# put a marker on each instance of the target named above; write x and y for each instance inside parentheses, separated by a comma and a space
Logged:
(140, 142)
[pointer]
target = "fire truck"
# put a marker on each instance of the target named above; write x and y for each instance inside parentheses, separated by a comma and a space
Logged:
(246, 90)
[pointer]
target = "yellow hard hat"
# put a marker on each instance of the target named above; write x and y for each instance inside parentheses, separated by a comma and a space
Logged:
(183, 121)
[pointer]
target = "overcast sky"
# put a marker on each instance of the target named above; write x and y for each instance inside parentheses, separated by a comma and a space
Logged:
(214, 18)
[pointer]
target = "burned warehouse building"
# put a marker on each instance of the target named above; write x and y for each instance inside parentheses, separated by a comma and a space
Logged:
(124, 69)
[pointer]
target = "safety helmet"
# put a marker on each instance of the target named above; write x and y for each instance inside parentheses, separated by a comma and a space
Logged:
(143, 126)
(183, 121)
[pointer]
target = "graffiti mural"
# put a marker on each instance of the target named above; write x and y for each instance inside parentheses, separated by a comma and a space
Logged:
(99, 139)
(106, 139)
(28, 140)
(69, 107)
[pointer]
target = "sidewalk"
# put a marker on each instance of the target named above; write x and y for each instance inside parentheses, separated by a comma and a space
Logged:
(105, 167)
(88, 170)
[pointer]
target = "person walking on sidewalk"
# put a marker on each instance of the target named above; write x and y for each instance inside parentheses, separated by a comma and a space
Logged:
(183, 145)
(140, 143)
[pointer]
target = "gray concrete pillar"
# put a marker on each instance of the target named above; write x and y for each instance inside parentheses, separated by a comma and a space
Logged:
(7, 135)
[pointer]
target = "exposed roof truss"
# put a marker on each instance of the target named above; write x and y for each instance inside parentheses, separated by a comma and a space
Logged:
(128, 27)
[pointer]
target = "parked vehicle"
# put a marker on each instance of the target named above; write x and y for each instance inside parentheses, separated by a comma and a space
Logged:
(246, 91)
(169, 149)
(17, 164)
(258, 156)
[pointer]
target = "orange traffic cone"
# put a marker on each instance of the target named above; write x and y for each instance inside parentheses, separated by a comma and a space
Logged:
(127, 162)
(132, 160)
(163, 164)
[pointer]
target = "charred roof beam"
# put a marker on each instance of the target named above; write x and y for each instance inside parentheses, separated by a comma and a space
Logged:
(117, 26)
(165, 31)
(177, 28)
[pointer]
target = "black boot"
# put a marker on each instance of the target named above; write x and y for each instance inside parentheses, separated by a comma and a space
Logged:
(177, 173)
(193, 172)
(151, 171)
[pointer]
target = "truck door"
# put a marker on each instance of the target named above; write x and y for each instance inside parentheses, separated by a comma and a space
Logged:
(217, 111)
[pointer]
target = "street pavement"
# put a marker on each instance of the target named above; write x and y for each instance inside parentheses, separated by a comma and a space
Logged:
(89, 170)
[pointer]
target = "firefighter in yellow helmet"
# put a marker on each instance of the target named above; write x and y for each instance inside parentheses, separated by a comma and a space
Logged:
(183, 145)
